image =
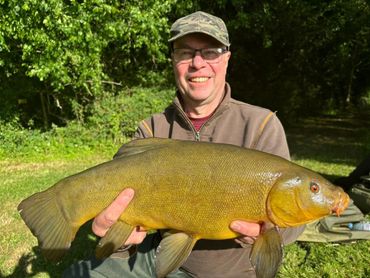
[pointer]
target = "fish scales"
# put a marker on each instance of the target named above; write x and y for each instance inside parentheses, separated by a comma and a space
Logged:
(214, 184)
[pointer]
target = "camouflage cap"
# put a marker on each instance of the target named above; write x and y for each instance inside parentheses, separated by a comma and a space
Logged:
(200, 22)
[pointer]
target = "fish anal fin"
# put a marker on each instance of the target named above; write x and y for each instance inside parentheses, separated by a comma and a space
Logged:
(267, 253)
(114, 239)
(172, 252)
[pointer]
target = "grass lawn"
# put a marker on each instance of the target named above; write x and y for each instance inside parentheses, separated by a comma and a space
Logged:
(330, 145)
(18, 255)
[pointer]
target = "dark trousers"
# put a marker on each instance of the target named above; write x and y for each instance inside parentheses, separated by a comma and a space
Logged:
(141, 264)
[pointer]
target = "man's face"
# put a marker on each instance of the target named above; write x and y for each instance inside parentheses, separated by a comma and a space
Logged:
(198, 81)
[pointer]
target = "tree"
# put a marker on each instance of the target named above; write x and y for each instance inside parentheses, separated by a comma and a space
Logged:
(297, 56)
(75, 47)
(57, 57)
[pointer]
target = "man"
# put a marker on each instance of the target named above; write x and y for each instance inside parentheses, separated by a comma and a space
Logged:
(203, 110)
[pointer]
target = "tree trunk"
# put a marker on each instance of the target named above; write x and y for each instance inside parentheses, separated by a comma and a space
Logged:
(44, 114)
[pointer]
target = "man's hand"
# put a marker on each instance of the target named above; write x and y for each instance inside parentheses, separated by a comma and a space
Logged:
(104, 220)
(250, 231)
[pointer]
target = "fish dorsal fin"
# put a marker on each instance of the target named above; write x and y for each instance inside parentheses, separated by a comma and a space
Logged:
(267, 253)
(141, 145)
(172, 252)
(114, 239)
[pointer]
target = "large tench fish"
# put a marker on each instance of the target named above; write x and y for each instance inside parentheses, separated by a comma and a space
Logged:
(194, 189)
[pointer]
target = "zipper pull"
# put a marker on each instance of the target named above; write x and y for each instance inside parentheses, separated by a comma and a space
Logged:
(197, 136)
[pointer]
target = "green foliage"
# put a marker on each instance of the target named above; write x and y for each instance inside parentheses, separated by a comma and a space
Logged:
(62, 42)
(59, 142)
(78, 49)
(119, 114)
(113, 118)
(298, 57)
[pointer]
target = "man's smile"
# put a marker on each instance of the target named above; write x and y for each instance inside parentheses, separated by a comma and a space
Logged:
(199, 79)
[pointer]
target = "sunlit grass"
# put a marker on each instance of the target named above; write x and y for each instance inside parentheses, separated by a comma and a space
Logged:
(325, 168)
(18, 255)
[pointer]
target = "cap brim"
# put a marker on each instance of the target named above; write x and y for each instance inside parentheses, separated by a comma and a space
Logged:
(226, 43)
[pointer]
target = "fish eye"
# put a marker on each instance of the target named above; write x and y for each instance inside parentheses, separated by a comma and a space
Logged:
(314, 187)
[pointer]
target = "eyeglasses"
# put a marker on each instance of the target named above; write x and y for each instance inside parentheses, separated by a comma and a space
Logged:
(210, 55)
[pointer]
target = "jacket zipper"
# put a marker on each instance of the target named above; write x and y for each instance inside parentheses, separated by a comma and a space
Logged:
(196, 133)
(190, 124)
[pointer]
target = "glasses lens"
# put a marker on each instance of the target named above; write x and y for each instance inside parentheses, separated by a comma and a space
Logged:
(211, 55)
(183, 54)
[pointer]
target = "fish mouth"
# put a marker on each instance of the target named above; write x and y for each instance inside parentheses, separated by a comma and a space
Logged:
(341, 204)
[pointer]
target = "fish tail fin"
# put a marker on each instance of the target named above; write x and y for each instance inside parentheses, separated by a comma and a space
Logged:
(267, 253)
(46, 220)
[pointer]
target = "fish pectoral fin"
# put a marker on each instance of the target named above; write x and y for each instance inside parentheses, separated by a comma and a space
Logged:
(172, 252)
(114, 239)
(267, 253)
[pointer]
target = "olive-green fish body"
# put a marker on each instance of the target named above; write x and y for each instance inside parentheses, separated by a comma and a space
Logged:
(195, 189)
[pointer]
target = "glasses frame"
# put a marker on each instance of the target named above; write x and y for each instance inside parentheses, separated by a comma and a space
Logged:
(222, 50)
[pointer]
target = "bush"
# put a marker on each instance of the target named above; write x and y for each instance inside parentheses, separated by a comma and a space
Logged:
(71, 51)
(71, 141)
(113, 120)
(116, 117)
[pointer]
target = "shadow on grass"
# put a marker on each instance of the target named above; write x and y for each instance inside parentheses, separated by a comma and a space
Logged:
(330, 139)
(34, 262)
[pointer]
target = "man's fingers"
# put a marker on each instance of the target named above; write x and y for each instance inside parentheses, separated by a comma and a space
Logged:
(136, 237)
(249, 231)
(104, 220)
(245, 240)
(246, 228)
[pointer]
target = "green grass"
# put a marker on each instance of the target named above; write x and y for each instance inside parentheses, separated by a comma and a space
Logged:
(19, 256)
(334, 260)
(328, 145)
(333, 146)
